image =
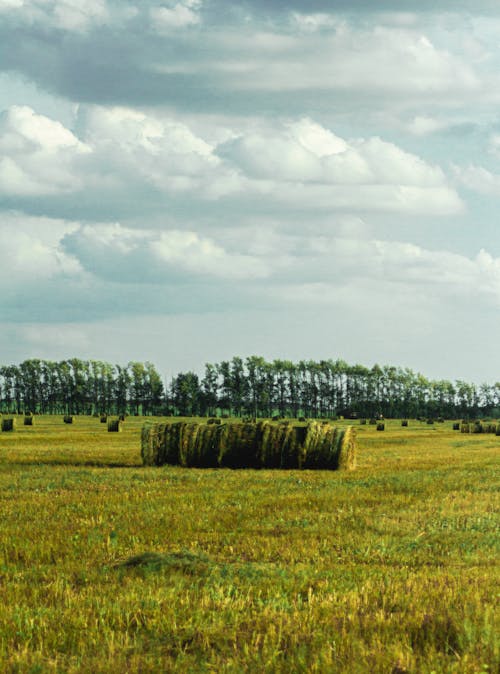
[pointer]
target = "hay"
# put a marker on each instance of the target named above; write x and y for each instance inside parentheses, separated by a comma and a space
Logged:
(404, 422)
(380, 426)
(248, 445)
(28, 420)
(115, 426)
(8, 425)
(68, 419)
(456, 426)
(464, 428)
(476, 427)
(362, 422)
(104, 418)
(372, 422)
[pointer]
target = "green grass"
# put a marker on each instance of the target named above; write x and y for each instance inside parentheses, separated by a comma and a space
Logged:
(107, 566)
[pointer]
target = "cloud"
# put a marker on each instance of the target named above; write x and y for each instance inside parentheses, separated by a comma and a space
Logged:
(180, 15)
(32, 252)
(126, 255)
(68, 15)
(37, 154)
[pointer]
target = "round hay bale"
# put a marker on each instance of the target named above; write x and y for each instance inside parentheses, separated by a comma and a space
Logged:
(28, 420)
(380, 426)
(404, 423)
(372, 422)
(362, 422)
(8, 425)
(68, 419)
(104, 418)
(465, 428)
(115, 426)
(456, 426)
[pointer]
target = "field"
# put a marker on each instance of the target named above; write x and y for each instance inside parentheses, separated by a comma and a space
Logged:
(107, 566)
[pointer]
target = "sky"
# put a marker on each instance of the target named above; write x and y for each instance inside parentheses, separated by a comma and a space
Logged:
(183, 181)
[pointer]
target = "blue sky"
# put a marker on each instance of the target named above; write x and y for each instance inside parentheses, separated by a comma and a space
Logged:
(187, 180)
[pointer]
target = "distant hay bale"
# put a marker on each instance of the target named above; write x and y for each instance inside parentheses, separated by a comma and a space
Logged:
(440, 420)
(301, 419)
(122, 417)
(372, 421)
(497, 432)
(404, 422)
(8, 425)
(430, 421)
(28, 420)
(380, 426)
(68, 419)
(456, 426)
(464, 427)
(476, 427)
(104, 418)
(362, 422)
(115, 426)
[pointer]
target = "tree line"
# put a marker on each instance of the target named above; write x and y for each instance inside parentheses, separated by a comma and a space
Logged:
(240, 387)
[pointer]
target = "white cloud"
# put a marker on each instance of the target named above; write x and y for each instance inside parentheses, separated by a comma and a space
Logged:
(478, 179)
(424, 126)
(128, 255)
(179, 15)
(38, 154)
(69, 15)
(31, 250)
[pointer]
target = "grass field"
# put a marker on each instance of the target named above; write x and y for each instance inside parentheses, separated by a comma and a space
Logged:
(106, 566)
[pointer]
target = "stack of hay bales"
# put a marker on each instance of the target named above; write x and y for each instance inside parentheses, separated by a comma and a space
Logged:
(248, 445)
(8, 425)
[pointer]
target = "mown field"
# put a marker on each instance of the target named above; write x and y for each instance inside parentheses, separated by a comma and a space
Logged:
(107, 566)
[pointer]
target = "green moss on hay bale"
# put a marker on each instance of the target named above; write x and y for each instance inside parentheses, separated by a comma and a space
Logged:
(8, 425)
(68, 419)
(380, 426)
(29, 420)
(115, 426)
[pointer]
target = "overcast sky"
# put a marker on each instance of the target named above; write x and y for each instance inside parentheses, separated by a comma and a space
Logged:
(182, 181)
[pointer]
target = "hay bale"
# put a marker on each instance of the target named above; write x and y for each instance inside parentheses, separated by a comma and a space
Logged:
(346, 448)
(28, 420)
(404, 423)
(380, 426)
(8, 425)
(476, 427)
(122, 417)
(104, 418)
(497, 432)
(456, 426)
(372, 422)
(68, 419)
(302, 419)
(430, 421)
(362, 422)
(239, 445)
(115, 426)
(464, 428)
